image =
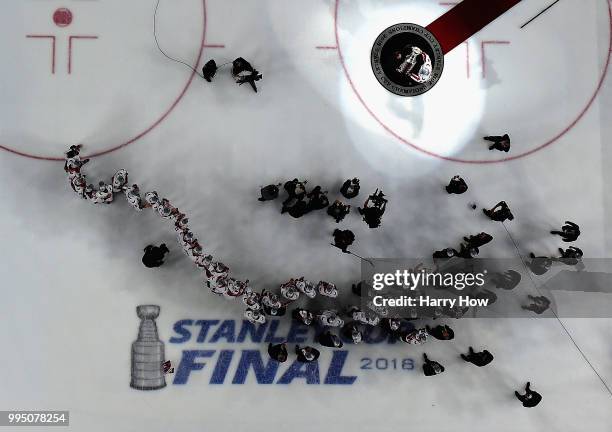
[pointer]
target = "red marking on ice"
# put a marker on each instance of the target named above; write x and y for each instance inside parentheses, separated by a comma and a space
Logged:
(467, 44)
(70, 38)
(62, 17)
(147, 130)
(214, 46)
(469, 161)
(52, 47)
(326, 47)
(482, 49)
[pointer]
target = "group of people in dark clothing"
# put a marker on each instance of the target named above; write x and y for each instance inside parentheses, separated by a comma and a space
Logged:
(299, 202)
(394, 326)
(372, 212)
(469, 248)
(507, 280)
(242, 72)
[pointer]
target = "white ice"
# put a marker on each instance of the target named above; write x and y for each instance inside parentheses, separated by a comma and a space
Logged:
(71, 271)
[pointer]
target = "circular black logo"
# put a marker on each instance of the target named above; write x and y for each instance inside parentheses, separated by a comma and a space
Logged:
(407, 59)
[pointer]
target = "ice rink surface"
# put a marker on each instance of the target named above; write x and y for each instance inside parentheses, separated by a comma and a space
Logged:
(71, 271)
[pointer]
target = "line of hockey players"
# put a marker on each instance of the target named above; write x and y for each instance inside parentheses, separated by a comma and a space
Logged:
(258, 304)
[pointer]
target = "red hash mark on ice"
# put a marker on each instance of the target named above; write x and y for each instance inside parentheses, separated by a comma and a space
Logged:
(326, 47)
(467, 46)
(52, 47)
(214, 46)
(70, 38)
(482, 48)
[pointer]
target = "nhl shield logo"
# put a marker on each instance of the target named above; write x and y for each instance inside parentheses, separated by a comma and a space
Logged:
(407, 59)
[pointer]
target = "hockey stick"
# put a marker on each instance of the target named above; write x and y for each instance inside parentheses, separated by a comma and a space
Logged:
(358, 256)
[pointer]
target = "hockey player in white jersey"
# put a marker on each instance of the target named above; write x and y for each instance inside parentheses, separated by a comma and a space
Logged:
(181, 223)
(186, 239)
(290, 291)
(120, 180)
(132, 194)
(235, 288)
(195, 252)
(73, 162)
(217, 284)
(165, 209)
(414, 337)
(306, 287)
(104, 194)
(252, 299)
(203, 261)
(217, 270)
(255, 316)
(152, 199)
(190, 244)
(270, 300)
(79, 184)
(327, 289)
(90, 192)
(329, 318)
(365, 318)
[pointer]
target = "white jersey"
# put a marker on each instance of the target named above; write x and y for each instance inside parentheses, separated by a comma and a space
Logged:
(270, 300)
(187, 240)
(327, 289)
(120, 180)
(79, 184)
(251, 299)
(235, 288)
(104, 195)
(181, 222)
(195, 251)
(290, 291)
(165, 209)
(132, 194)
(152, 199)
(203, 262)
(364, 318)
(330, 318)
(255, 316)
(306, 287)
(417, 337)
(73, 166)
(217, 284)
(217, 269)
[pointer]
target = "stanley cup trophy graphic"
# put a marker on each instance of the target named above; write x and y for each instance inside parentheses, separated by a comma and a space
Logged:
(147, 352)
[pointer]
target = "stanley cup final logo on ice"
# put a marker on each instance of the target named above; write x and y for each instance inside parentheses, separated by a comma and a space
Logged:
(237, 352)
